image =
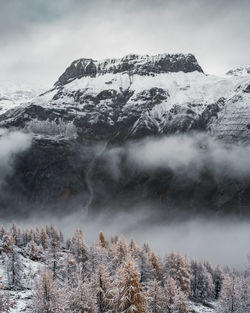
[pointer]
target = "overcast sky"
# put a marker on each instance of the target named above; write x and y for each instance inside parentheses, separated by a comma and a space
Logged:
(40, 38)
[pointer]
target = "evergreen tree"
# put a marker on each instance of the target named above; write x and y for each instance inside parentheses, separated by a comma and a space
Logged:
(145, 266)
(128, 296)
(157, 269)
(44, 239)
(218, 277)
(13, 263)
(202, 286)
(81, 298)
(79, 249)
(6, 304)
(102, 287)
(235, 295)
(47, 296)
(102, 241)
(176, 300)
(155, 297)
(54, 247)
(178, 268)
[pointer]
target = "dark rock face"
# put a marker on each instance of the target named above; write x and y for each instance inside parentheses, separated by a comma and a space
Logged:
(62, 172)
(247, 89)
(135, 64)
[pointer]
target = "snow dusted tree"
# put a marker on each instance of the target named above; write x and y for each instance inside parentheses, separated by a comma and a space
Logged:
(134, 250)
(121, 250)
(6, 304)
(202, 286)
(44, 239)
(47, 296)
(178, 268)
(155, 297)
(218, 277)
(102, 241)
(68, 270)
(235, 295)
(102, 288)
(8, 242)
(157, 268)
(117, 253)
(2, 232)
(79, 249)
(176, 300)
(128, 296)
(145, 266)
(81, 298)
(34, 251)
(54, 248)
(13, 262)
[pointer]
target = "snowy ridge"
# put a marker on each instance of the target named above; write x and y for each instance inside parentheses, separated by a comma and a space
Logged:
(135, 64)
(240, 71)
(139, 96)
(12, 95)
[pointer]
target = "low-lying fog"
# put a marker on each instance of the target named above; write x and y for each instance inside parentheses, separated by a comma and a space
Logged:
(218, 240)
(221, 241)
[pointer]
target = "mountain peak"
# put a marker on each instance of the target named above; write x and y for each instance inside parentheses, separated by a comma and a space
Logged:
(133, 63)
(240, 71)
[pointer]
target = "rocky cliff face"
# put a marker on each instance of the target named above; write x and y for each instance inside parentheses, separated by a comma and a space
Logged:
(117, 100)
(132, 64)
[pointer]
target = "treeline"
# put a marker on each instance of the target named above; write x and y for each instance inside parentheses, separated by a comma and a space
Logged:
(112, 276)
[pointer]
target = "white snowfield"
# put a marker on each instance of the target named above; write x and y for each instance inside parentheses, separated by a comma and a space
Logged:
(193, 91)
(186, 94)
(12, 95)
(30, 271)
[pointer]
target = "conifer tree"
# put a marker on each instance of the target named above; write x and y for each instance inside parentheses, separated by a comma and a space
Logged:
(145, 266)
(176, 300)
(6, 304)
(155, 297)
(157, 269)
(134, 250)
(235, 295)
(47, 297)
(202, 286)
(102, 287)
(34, 251)
(79, 249)
(102, 241)
(218, 277)
(2, 232)
(54, 246)
(44, 239)
(13, 262)
(69, 270)
(128, 297)
(178, 268)
(81, 298)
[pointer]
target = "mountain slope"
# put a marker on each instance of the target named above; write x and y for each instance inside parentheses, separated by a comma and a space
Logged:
(140, 95)
(12, 95)
(110, 102)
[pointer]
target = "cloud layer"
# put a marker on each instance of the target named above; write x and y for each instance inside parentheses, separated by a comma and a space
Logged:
(11, 144)
(191, 155)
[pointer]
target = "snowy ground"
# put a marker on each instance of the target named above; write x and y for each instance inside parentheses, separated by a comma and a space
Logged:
(198, 308)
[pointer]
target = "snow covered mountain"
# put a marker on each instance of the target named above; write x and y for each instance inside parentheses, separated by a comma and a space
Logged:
(11, 95)
(116, 100)
(137, 96)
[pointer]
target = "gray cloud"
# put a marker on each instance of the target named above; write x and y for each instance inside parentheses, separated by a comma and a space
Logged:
(40, 38)
(191, 155)
(224, 242)
(11, 143)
